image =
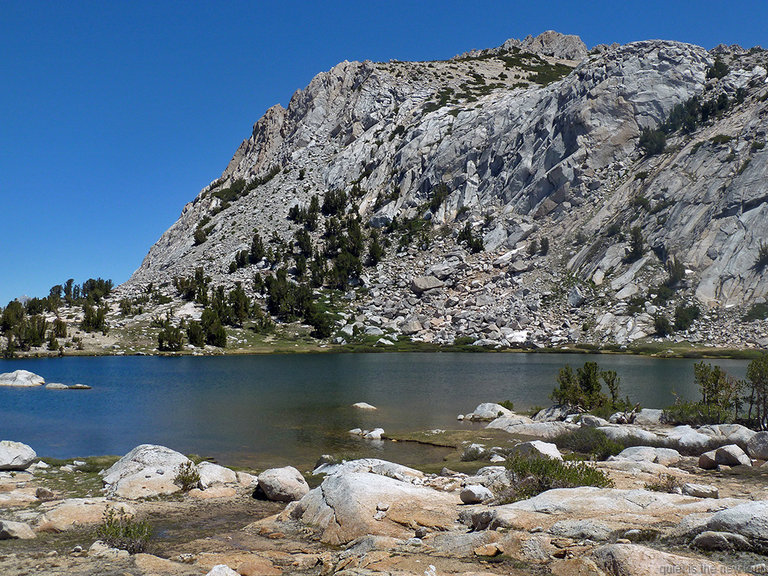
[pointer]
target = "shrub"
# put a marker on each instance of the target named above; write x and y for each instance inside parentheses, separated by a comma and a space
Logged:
(718, 70)
(762, 256)
(588, 441)
(662, 325)
(720, 399)
(636, 244)
(653, 141)
(200, 236)
(170, 339)
(508, 404)
(536, 475)
(187, 476)
(544, 246)
(195, 334)
(474, 243)
(685, 316)
(757, 376)
(118, 530)
(665, 483)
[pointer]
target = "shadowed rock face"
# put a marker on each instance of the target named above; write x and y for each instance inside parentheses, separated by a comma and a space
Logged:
(518, 150)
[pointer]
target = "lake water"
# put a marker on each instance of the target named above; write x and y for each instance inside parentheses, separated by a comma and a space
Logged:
(270, 410)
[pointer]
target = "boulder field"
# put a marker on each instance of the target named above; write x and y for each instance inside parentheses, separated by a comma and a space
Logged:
(370, 516)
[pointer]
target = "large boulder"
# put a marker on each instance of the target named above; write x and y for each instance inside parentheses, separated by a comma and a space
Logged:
(282, 484)
(488, 411)
(421, 284)
(518, 426)
(475, 494)
(537, 449)
(749, 520)
(663, 456)
(211, 474)
(74, 513)
(648, 417)
(732, 455)
(628, 434)
(724, 434)
(15, 530)
(757, 447)
(21, 379)
(686, 440)
(15, 455)
(373, 466)
(636, 560)
(146, 471)
(349, 506)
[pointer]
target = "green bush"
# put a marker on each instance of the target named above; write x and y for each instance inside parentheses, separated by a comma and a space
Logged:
(718, 70)
(665, 483)
(757, 311)
(662, 325)
(685, 316)
(187, 477)
(532, 476)
(762, 256)
(118, 530)
(589, 441)
(653, 141)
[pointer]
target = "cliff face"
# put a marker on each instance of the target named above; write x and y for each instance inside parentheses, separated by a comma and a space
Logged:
(537, 138)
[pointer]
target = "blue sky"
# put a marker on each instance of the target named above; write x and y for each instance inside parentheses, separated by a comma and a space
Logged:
(113, 115)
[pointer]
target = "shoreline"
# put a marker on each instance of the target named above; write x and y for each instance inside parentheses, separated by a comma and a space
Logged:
(670, 351)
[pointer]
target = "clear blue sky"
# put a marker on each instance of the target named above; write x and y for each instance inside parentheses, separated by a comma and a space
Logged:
(115, 114)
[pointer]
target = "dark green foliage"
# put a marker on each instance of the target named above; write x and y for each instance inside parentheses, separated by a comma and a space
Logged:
(257, 249)
(536, 475)
(200, 236)
(94, 319)
(653, 141)
(665, 483)
(306, 216)
(757, 401)
(636, 244)
(118, 530)
(676, 270)
(195, 334)
(286, 300)
(345, 266)
(187, 477)
(533, 247)
(544, 246)
(662, 325)
(354, 242)
(757, 311)
(12, 315)
(239, 305)
(473, 243)
(438, 195)
(685, 316)
(59, 329)
(762, 256)
(375, 250)
(720, 139)
(589, 441)
(215, 335)
(720, 399)
(303, 243)
(334, 203)
(170, 338)
(718, 70)
(584, 388)
(663, 294)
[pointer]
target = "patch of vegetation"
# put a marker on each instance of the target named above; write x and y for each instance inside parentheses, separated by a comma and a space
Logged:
(762, 256)
(718, 70)
(187, 477)
(685, 316)
(118, 530)
(757, 311)
(665, 483)
(653, 141)
(720, 398)
(720, 139)
(467, 237)
(583, 389)
(532, 476)
(590, 441)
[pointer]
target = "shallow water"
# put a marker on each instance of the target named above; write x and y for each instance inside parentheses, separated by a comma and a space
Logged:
(276, 409)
